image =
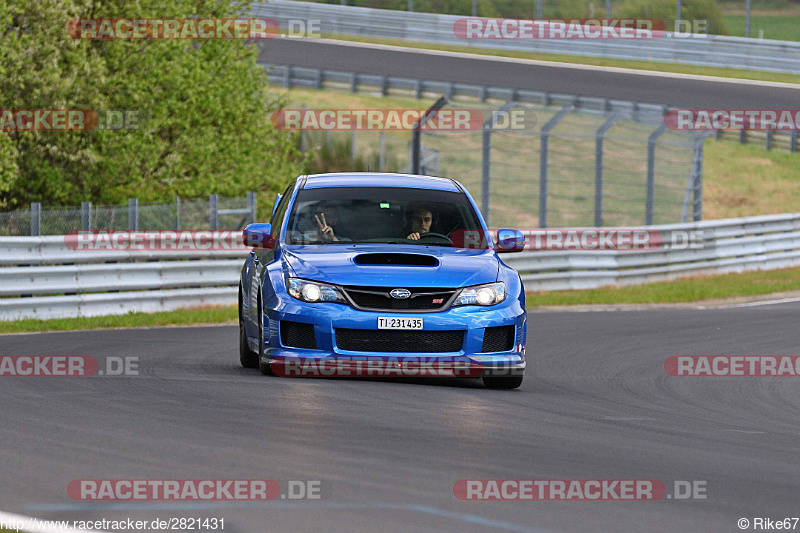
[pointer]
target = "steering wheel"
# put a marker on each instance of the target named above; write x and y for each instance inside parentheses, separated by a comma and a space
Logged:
(433, 235)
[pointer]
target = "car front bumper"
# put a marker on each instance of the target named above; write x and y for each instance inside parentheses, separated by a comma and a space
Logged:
(326, 318)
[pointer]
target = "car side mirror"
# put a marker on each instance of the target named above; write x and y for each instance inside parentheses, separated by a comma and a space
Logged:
(259, 236)
(510, 240)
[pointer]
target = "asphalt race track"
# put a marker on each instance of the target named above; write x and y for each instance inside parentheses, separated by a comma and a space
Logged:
(675, 90)
(596, 404)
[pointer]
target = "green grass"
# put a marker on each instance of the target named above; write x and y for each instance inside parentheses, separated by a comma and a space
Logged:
(212, 315)
(692, 289)
(621, 63)
(783, 27)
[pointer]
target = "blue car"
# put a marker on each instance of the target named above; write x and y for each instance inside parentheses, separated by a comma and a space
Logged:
(381, 274)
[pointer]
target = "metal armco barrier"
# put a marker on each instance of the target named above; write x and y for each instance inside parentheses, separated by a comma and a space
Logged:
(705, 50)
(40, 277)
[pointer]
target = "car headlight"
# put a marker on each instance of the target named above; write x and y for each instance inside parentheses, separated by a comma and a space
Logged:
(312, 291)
(489, 294)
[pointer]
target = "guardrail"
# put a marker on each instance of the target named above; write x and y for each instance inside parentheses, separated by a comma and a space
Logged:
(704, 50)
(42, 277)
(45, 277)
(729, 245)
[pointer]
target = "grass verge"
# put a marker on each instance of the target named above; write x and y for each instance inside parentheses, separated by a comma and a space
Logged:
(655, 66)
(181, 317)
(691, 289)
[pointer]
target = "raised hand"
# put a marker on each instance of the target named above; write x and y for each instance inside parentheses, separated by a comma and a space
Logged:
(325, 231)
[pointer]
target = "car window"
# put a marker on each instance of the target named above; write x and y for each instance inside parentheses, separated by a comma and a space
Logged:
(384, 215)
(277, 218)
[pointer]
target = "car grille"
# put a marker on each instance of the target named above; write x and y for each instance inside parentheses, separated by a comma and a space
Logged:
(498, 339)
(298, 335)
(379, 340)
(422, 299)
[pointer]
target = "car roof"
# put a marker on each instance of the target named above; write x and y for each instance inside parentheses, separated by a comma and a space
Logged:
(379, 179)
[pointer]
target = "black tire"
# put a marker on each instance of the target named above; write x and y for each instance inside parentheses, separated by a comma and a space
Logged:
(247, 357)
(263, 367)
(503, 382)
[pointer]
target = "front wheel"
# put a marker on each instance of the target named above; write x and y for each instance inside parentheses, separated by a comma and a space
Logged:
(263, 367)
(504, 382)
(247, 357)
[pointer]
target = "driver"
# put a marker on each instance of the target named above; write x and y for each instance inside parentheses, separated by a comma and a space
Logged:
(421, 220)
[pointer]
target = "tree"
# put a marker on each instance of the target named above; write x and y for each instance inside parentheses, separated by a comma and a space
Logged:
(204, 108)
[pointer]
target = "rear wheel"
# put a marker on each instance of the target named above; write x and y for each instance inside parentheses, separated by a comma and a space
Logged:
(504, 382)
(247, 357)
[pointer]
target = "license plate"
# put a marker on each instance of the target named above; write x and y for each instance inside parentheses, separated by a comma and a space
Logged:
(387, 322)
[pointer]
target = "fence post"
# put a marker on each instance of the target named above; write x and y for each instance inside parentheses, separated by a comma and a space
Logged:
(697, 194)
(251, 206)
(486, 159)
(213, 208)
(382, 154)
(133, 214)
(303, 140)
(177, 213)
(36, 219)
(598, 168)
(651, 176)
(768, 142)
(416, 134)
(86, 216)
(486, 163)
(287, 78)
(544, 142)
(354, 82)
(793, 141)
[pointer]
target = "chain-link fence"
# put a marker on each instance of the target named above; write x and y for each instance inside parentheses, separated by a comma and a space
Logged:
(544, 166)
(213, 213)
(537, 166)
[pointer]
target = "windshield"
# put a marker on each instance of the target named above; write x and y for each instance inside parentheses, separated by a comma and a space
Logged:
(346, 215)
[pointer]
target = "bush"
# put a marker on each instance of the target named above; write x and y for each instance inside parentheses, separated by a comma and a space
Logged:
(207, 106)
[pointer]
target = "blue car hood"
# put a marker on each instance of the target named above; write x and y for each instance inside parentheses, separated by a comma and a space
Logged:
(335, 263)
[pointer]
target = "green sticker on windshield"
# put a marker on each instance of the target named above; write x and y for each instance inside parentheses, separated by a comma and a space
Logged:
(384, 206)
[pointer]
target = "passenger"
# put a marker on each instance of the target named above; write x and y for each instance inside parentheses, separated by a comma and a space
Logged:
(325, 217)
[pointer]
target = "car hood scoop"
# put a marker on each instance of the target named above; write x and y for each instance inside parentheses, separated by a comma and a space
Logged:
(396, 259)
